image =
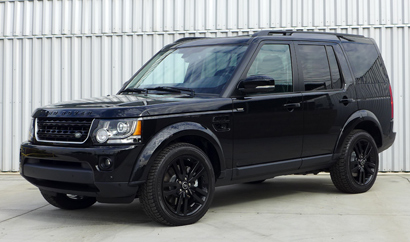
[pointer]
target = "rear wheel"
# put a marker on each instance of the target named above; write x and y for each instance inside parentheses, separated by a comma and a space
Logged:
(68, 201)
(180, 185)
(357, 168)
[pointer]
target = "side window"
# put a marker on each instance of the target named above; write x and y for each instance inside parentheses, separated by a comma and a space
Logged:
(274, 60)
(315, 67)
(319, 67)
(367, 65)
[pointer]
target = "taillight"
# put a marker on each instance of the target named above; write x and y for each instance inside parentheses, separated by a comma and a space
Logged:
(391, 102)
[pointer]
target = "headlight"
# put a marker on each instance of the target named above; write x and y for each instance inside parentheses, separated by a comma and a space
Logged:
(31, 130)
(118, 131)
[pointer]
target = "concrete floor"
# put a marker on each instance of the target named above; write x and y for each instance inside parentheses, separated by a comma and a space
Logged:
(289, 208)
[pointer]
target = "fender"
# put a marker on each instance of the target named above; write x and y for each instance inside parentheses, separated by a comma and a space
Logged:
(355, 119)
(166, 136)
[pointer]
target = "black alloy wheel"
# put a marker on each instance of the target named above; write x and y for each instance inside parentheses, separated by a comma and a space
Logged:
(185, 186)
(362, 165)
(357, 168)
(180, 185)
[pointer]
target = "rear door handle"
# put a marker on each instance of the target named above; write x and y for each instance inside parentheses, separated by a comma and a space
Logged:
(292, 105)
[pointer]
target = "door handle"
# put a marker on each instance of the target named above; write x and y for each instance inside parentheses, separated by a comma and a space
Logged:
(292, 105)
(346, 100)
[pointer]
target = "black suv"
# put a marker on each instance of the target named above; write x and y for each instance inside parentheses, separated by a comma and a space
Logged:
(206, 112)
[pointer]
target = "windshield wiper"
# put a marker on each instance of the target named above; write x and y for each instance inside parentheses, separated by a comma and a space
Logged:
(160, 88)
(173, 89)
(140, 90)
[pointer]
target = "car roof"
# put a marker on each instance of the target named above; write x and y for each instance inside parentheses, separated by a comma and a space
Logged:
(266, 35)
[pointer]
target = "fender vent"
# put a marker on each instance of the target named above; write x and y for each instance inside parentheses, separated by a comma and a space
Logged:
(221, 123)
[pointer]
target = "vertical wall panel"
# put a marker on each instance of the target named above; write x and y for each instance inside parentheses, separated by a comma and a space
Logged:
(59, 50)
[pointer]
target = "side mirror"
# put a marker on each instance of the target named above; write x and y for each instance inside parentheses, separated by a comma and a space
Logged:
(257, 84)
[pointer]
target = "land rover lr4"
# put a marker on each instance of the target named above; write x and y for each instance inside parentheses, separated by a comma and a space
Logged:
(205, 112)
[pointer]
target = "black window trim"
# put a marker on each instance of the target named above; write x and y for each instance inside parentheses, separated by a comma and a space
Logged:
(293, 59)
(300, 72)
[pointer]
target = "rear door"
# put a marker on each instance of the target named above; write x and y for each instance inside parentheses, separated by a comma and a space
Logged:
(328, 96)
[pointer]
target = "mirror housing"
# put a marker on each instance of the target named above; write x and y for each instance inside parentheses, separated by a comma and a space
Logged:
(257, 84)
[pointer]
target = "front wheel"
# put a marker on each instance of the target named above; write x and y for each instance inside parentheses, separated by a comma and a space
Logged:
(356, 170)
(180, 185)
(68, 201)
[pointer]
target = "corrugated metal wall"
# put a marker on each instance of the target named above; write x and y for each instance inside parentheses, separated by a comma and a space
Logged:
(56, 50)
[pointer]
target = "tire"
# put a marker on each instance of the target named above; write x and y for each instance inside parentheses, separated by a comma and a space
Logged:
(356, 170)
(180, 186)
(68, 201)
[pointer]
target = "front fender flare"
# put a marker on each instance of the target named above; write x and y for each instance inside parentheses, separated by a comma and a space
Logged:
(165, 137)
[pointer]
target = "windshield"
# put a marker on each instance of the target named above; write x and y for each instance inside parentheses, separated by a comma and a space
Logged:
(204, 69)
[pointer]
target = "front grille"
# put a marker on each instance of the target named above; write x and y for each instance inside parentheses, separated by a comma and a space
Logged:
(63, 129)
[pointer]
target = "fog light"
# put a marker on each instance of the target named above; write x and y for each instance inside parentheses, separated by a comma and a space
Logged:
(105, 163)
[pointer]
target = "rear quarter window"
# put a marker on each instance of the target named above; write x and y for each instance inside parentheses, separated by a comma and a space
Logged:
(366, 63)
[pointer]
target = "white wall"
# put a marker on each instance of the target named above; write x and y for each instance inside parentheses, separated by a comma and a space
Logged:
(56, 50)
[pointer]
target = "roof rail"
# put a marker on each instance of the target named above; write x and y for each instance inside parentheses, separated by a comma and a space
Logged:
(292, 32)
(188, 39)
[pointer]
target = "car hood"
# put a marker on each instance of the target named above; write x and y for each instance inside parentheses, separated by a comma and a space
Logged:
(126, 106)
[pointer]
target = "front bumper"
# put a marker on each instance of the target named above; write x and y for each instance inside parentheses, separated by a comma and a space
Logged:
(75, 170)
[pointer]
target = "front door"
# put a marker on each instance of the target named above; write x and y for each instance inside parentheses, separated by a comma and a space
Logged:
(268, 127)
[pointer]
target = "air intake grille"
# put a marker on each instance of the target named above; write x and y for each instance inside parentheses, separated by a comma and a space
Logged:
(63, 129)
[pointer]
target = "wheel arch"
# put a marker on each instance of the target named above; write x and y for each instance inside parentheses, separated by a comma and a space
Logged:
(188, 132)
(364, 120)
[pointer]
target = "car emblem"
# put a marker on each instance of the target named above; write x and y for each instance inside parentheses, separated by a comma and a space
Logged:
(78, 135)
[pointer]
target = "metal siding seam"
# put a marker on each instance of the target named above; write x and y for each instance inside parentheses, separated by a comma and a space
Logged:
(106, 64)
(76, 17)
(17, 26)
(75, 68)
(199, 14)
(399, 95)
(96, 15)
(27, 81)
(65, 17)
(16, 106)
(263, 17)
(147, 16)
(406, 79)
(2, 104)
(395, 14)
(209, 16)
(232, 15)
(96, 66)
(242, 14)
(116, 63)
(220, 11)
(8, 18)
(189, 15)
(106, 16)
(85, 67)
(43, 80)
(7, 104)
(2, 17)
(86, 17)
(116, 16)
(126, 59)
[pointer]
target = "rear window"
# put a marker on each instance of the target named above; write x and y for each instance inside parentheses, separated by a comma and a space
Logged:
(365, 61)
